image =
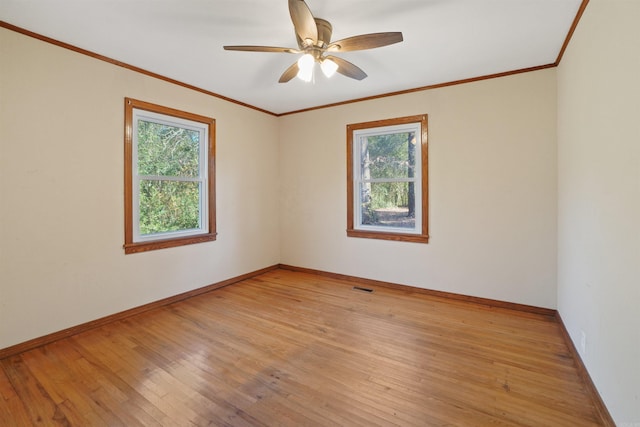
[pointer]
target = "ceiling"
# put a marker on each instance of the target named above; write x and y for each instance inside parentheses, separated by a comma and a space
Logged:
(444, 41)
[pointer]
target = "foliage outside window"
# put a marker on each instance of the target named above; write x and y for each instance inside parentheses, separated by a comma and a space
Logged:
(387, 179)
(169, 177)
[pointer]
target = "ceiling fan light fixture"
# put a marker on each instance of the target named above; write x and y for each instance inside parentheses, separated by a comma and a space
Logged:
(314, 41)
(328, 67)
(305, 67)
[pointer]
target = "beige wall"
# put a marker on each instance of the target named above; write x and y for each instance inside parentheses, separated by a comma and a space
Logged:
(61, 192)
(492, 192)
(492, 159)
(599, 199)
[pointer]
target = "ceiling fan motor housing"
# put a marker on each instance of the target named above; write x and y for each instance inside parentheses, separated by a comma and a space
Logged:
(324, 32)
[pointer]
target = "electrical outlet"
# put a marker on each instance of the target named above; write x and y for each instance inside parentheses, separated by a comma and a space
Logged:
(583, 343)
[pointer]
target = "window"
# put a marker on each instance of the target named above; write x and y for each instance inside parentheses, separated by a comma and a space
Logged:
(169, 177)
(387, 179)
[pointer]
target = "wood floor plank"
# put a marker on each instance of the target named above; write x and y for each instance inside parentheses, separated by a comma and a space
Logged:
(153, 382)
(40, 407)
(12, 409)
(291, 348)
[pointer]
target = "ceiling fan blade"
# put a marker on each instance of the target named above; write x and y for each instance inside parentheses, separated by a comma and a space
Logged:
(262, 49)
(347, 68)
(365, 41)
(303, 21)
(289, 73)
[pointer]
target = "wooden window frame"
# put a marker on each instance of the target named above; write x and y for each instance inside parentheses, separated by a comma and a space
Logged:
(130, 246)
(352, 231)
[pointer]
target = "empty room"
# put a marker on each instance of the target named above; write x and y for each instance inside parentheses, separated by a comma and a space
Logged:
(320, 213)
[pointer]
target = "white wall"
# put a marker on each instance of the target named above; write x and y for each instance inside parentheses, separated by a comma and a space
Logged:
(492, 155)
(61, 192)
(599, 199)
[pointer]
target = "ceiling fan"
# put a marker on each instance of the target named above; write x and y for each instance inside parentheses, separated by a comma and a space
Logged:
(314, 41)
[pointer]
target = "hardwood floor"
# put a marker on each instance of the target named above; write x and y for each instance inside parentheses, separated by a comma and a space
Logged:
(295, 349)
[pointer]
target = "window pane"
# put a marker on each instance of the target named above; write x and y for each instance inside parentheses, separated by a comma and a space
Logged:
(388, 204)
(167, 150)
(169, 206)
(387, 179)
(388, 156)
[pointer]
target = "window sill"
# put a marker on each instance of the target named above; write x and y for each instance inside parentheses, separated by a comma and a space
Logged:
(399, 237)
(132, 248)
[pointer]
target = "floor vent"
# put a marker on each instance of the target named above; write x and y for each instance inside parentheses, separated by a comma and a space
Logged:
(358, 288)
